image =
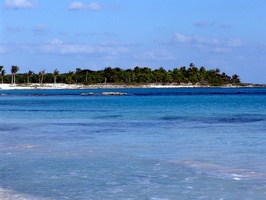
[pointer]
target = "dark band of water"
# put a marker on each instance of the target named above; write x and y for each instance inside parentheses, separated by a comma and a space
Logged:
(138, 92)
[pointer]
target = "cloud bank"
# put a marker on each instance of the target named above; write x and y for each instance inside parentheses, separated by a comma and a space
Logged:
(18, 4)
(156, 55)
(57, 46)
(194, 39)
(208, 44)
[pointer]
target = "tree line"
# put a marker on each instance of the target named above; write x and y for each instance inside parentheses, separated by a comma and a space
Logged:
(138, 75)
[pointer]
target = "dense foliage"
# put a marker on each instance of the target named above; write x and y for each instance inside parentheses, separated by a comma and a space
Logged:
(138, 75)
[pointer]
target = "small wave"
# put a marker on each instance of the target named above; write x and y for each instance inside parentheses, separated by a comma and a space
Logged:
(179, 118)
(235, 119)
(9, 128)
(170, 118)
(108, 117)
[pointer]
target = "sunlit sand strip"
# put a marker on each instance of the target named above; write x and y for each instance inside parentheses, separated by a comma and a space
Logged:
(93, 86)
(39, 86)
(80, 86)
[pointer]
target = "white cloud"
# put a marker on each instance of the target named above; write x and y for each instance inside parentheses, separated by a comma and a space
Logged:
(234, 43)
(16, 4)
(182, 38)
(109, 43)
(194, 39)
(213, 49)
(56, 42)
(76, 5)
(156, 55)
(57, 46)
(94, 6)
(211, 41)
(208, 44)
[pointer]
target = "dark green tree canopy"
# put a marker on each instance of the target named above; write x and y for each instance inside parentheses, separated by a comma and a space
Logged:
(137, 75)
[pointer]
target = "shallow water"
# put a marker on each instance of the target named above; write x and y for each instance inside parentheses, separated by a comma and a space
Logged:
(149, 144)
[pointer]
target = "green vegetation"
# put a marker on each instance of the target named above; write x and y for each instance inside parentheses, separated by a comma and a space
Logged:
(138, 75)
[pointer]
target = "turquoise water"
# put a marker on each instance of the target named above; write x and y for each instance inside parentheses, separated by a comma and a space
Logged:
(148, 144)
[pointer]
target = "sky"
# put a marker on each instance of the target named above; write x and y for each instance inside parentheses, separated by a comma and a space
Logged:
(51, 34)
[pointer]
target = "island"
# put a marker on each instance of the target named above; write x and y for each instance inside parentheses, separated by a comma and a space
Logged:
(139, 77)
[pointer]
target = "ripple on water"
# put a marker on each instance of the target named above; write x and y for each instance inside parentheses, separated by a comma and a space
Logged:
(222, 172)
(6, 194)
(234, 119)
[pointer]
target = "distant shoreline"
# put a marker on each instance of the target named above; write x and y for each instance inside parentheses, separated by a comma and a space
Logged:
(36, 86)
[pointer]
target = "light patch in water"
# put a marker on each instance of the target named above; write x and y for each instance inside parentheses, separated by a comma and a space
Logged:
(13, 195)
(220, 171)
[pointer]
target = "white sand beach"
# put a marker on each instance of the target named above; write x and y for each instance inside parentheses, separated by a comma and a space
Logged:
(39, 86)
(80, 86)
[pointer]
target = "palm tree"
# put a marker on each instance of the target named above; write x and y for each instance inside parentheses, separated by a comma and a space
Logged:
(14, 70)
(1, 68)
(217, 71)
(41, 75)
(235, 79)
(86, 78)
(28, 76)
(69, 78)
(56, 73)
(3, 72)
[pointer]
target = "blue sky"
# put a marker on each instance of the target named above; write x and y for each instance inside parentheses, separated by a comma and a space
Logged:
(64, 35)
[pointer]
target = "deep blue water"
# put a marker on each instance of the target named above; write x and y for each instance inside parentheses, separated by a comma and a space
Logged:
(149, 144)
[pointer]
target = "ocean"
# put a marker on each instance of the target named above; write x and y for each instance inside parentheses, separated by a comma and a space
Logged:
(158, 144)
